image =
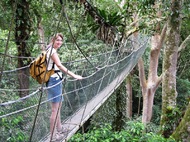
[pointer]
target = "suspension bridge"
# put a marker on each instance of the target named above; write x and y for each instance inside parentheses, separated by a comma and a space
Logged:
(82, 98)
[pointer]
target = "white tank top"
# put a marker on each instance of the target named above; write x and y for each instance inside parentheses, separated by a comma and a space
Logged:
(50, 52)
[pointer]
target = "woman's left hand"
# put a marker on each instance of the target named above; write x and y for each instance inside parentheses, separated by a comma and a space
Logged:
(78, 77)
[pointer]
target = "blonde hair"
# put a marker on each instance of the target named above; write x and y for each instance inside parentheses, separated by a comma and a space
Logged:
(56, 36)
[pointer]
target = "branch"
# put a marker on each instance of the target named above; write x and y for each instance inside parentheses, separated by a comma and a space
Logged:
(184, 43)
(130, 32)
(157, 83)
(134, 22)
(142, 73)
(162, 36)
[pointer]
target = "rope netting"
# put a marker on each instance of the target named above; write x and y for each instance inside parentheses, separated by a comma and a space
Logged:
(17, 114)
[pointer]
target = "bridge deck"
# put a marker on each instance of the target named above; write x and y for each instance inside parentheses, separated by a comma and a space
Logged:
(85, 112)
(74, 122)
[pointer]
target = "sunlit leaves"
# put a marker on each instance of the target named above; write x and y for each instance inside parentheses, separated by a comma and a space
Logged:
(134, 133)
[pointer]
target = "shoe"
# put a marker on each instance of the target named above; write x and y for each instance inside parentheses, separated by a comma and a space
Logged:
(63, 130)
(57, 137)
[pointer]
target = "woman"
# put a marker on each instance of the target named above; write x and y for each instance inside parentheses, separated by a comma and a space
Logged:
(55, 93)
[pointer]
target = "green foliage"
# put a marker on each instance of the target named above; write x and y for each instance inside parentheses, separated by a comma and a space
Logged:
(152, 127)
(157, 110)
(170, 119)
(113, 19)
(133, 133)
(107, 113)
(151, 137)
(8, 127)
(183, 93)
(17, 127)
(183, 61)
(135, 128)
(121, 17)
(185, 27)
(6, 9)
(10, 49)
(107, 110)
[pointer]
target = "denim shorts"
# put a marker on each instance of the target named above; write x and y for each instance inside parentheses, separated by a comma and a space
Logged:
(54, 93)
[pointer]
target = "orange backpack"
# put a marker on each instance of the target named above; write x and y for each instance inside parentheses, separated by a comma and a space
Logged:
(38, 69)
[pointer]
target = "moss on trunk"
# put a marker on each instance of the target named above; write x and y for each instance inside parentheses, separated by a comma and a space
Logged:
(182, 132)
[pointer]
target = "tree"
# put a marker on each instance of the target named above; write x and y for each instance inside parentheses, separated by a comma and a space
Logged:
(169, 92)
(26, 15)
(22, 33)
(150, 85)
(182, 132)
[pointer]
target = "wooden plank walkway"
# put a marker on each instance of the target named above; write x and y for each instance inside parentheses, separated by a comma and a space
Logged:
(85, 112)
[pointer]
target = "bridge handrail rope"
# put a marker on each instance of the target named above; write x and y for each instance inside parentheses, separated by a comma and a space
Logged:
(107, 66)
(8, 89)
(45, 88)
(70, 62)
(117, 67)
(106, 63)
(21, 99)
(71, 80)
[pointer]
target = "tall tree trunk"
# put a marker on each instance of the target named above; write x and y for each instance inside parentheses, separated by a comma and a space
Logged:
(169, 92)
(22, 32)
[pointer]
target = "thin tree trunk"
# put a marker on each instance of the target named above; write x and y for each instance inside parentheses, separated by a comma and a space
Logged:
(129, 98)
(41, 35)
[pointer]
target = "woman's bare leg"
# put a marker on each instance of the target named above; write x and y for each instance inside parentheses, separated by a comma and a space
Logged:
(55, 114)
(59, 126)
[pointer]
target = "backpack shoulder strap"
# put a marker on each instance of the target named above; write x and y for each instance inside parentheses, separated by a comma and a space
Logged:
(46, 50)
(53, 65)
